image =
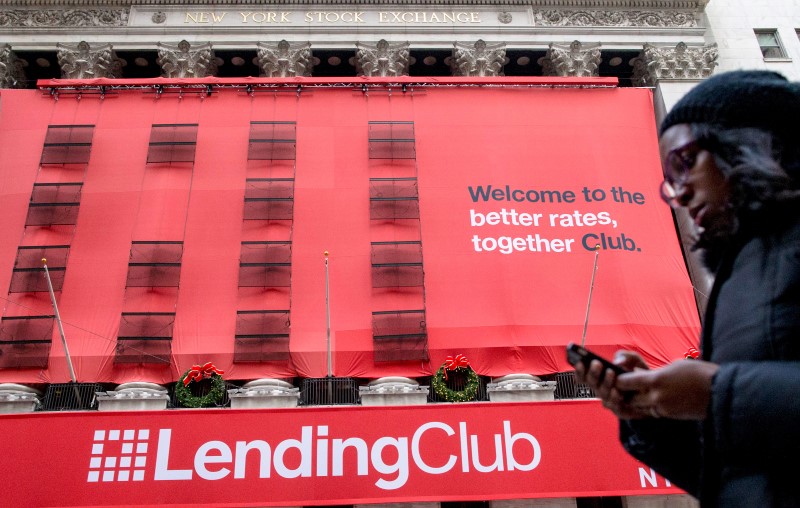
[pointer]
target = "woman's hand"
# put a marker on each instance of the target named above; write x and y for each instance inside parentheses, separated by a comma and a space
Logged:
(612, 397)
(681, 390)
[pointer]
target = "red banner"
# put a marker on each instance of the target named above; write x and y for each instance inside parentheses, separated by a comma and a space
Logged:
(516, 188)
(314, 456)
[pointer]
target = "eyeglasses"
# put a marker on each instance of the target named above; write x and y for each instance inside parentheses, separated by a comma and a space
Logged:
(677, 166)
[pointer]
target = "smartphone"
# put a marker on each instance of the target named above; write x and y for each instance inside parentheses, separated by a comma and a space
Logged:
(576, 353)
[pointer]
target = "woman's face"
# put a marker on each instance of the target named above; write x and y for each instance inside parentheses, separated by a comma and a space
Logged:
(699, 186)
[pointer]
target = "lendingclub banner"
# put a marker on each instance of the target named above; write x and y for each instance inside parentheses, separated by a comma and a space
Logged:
(309, 456)
(507, 191)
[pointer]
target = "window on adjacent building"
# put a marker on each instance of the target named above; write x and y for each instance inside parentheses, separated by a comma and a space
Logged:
(770, 44)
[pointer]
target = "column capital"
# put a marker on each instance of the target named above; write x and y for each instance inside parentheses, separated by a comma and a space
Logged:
(481, 59)
(81, 61)
(382, 59)
(12, 75)
(572, 60)
(680, 62)
(283, 60)
(186, 61)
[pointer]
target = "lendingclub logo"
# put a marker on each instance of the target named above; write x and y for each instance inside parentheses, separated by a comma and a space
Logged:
(433, 448)
(118, 455)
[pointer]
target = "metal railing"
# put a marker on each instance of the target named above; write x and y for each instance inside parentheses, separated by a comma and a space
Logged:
(328, 391)
(70, 397)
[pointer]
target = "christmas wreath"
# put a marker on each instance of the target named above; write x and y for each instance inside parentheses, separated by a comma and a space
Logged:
(196, 374)
(457, 364)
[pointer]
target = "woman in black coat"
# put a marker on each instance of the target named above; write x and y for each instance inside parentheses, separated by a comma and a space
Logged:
(726, 428)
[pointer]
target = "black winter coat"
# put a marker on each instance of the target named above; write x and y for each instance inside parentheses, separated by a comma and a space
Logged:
(747, 451)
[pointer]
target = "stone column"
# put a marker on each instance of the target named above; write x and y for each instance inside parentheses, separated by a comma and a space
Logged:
(382, 59)
(282, 60)
(572, 61)
(16, 398)
(84, 62)
(681, 62)
(479, 60)
(186, 61)
(393, 391)
(520, 388)
(12, 74)
(134, 396)
(264, 393)
(673, 71)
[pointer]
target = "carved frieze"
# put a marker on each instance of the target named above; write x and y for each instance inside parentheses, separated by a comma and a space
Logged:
(572, 60)
(617, 18)
(69, 18)
(82, 62)
(382, 59)
(186, 61)
(12, 74)
(479, 60)
(679, 62)
(282, 60)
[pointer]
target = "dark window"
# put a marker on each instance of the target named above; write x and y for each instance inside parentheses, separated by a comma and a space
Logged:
(67, 144)
(155, 264)
(397, 264)
(265, 264)
(393, 198)
(25, 341)
(145, 337)
(391, 140)
(172, 143)
(272, 141)
(399, 335)
(53, 204)
(269, 199)
(261, 336)
(28, 274)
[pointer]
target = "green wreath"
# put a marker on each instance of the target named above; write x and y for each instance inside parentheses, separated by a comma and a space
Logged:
(211, 399)
(468, 393)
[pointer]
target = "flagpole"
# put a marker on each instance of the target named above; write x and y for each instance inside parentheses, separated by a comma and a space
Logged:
(591, 289)
(78, 397)
(328, 316)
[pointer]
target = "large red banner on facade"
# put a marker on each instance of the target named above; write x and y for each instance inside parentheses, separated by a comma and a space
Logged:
(517, 186)
(311, 456)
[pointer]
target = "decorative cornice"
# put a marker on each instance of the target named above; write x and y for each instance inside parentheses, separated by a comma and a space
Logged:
(695, 5)
(586, 18)
(69, 18)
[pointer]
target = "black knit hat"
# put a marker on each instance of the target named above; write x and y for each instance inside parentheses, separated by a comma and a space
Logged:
(741, 99)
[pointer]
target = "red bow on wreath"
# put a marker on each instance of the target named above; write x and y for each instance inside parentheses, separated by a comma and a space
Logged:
(692, 354)
(459, 362)
(198, 373)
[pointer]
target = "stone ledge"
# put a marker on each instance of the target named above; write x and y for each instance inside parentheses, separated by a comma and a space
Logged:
(263, 393)
(393, 391)
(15, 398)
(134, 396)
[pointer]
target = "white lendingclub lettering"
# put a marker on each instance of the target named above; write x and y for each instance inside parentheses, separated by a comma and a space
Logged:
(400, 467)
(163, 472)
(418, 457)
(202, 458)
(215, 460)
(304, 445)
(509, 442)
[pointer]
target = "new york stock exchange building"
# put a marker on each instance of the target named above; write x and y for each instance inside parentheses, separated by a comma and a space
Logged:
(330, 253)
